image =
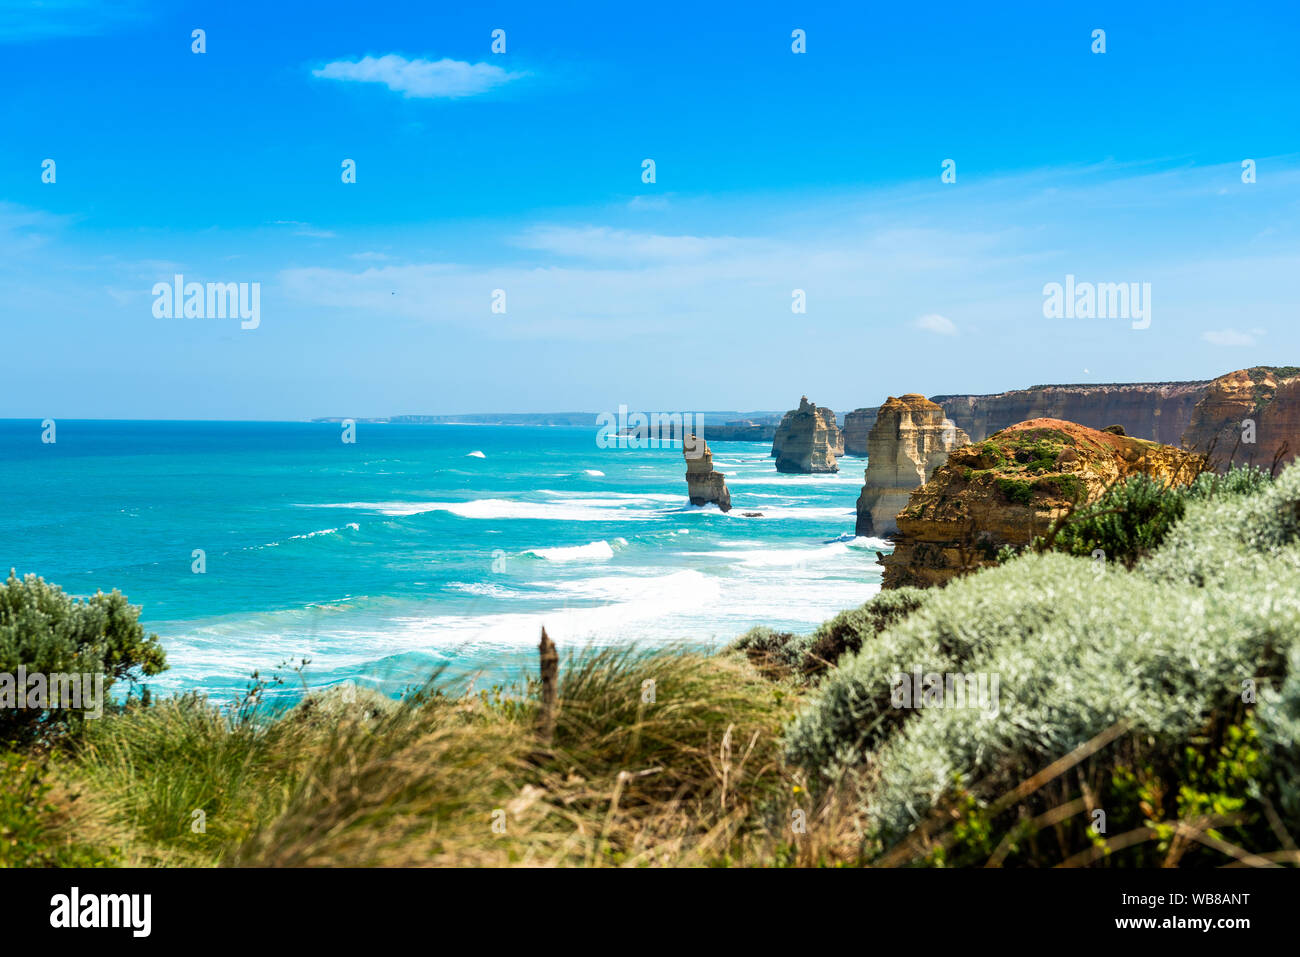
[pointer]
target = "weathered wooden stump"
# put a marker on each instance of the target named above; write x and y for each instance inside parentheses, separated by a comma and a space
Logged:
(550, 668)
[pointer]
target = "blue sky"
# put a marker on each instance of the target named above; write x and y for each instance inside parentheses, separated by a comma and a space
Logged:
(521, 171)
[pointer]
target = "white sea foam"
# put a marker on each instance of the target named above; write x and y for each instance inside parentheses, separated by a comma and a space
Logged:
(872, 544)
(610, 499)
(475, 455)
(328, 531)
(596, 551)
(644, 606)
(779, 557)
(323, 531)
(485, 589)
(637, 583)
(575, 510)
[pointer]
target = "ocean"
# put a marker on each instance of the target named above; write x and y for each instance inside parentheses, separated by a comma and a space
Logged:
(419, 547)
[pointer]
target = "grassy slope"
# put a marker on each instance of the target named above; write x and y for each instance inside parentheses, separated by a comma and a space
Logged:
(691, 777)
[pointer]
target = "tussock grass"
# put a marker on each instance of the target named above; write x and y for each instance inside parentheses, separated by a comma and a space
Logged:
(143, 774)
(664, 758)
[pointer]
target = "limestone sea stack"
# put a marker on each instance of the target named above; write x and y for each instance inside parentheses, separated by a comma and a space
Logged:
(1010, 488)
(857, 428)
(911, 438)
(808, 440)
(703, 484)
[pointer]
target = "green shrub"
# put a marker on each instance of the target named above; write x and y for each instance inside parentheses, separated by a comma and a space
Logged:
(1132, 518)
(1279, 731)
(1212, 780)
(1234, 541)
(1067, 486)
(1238, 480)
(1127, 522)
(847, 631)
(1015, 491)
(810, 655)
(46, 631)
(775, 652)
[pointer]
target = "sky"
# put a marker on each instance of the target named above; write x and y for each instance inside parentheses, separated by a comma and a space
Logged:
(523, 171)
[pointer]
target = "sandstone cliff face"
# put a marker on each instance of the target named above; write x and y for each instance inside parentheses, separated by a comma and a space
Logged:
(1010, 488)
(703, 484)
(911, 438)
(1159, 411)
(857, 427)
(808, 440)
(1268, 397)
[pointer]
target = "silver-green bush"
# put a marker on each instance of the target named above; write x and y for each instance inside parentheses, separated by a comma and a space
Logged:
(1278, 717)
(810, 655)
(1076, 647)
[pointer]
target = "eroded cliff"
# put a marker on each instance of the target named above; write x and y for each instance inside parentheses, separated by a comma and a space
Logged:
(1009, 488)
(1158, 411)
(1248, 416)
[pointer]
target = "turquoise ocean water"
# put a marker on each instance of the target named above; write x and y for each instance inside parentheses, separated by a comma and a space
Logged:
(419, 546)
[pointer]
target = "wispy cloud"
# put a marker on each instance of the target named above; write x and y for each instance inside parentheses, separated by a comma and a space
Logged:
(24, 229)
(939, 325)
(420, 79)
(305, 229)
(649, 202)
(1231, 337)
(603, 244)
(586, 281)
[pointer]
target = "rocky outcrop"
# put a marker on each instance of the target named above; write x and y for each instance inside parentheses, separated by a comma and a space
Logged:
(744, 430)
(910, 439)
(857, 428)
(1158, 411)
(1248, 416)
(808, 440)
(703, 484)
(1010, 488)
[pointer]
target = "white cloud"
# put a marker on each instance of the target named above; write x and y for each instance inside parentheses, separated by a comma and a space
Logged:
(1231, 337)
(422, 79)
(939, 325)
(602, 244)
